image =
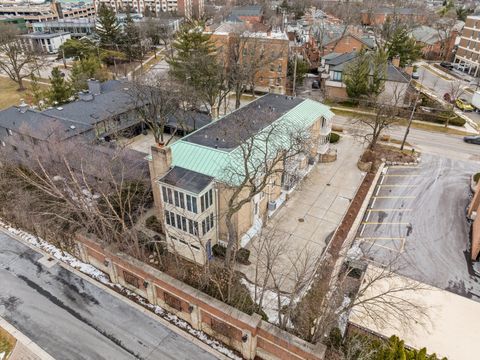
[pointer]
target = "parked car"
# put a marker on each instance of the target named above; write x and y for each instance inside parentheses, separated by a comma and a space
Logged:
(463, 67)
(446, 65)
(315, 84)
(463, 105)
(415, 75)
(474, 139)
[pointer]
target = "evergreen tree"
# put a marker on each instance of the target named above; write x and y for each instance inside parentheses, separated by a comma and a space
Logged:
(356, 77)
(131, 40)
(85, 69)
(401, 44)
(378, 72)
(60, 90)
(36, 93)
(194, 61)
(107, 26)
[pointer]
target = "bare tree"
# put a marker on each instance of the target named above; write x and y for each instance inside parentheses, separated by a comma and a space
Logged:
(74, 186)
(456, 89)
(156, 100)
(18, 59)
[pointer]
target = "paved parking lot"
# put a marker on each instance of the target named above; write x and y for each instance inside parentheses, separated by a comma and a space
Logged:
(416, 220)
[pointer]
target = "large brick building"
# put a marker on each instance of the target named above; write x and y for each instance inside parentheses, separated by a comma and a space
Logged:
(378, 16)
(194, 178)
(468, 52)
(259, 45)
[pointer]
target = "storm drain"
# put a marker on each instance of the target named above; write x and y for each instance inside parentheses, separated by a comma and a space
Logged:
(48, 261)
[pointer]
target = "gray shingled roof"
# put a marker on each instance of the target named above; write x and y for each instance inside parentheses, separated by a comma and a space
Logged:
(252, 117)
(186, 179)
(248, 10)
(391, 10)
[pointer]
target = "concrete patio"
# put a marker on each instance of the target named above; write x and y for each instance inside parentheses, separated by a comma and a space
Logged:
(307, 221)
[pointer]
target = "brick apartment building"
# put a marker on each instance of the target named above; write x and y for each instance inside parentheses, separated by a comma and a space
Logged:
(338, 39)
(256, 42)
(436, 44)
(468, 52)
(194, 177)
(378, 16)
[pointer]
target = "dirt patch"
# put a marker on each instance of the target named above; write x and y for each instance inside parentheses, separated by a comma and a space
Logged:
(389, 153)
(7, 343)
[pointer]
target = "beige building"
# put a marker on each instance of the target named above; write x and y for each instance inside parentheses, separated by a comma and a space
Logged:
(468, 52)
(194, 178)
(186, 8)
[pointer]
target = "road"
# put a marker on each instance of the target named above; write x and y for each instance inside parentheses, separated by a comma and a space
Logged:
(71, 318)
(440, 86)
(446, 145)
(416, 221)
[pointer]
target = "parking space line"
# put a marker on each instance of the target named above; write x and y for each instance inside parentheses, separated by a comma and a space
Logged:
(398, 210)
(401, 175)
(374, 243)
(384, 223)
(394, 197)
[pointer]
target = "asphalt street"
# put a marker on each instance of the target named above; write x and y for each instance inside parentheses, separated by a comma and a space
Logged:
(440, 86)
(441, 144)
(416, 223)
(71, 318)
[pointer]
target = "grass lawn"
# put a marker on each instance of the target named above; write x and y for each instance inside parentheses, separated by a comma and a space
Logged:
(9, 95)
(7, 343)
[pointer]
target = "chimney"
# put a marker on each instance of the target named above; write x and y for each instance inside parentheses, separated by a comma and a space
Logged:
(85, 96)
(396, 61)
(94, 87)
(409, 69)
(23, 107)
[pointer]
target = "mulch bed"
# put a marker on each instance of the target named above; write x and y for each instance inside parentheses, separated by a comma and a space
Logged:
(389, 153)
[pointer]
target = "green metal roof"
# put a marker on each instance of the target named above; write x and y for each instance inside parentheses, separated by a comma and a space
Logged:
(216, 162)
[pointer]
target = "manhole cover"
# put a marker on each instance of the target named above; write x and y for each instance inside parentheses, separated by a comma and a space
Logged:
(301, 220)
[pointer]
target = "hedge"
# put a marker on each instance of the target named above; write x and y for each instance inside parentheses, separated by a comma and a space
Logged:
(241, 257)
(334, 138)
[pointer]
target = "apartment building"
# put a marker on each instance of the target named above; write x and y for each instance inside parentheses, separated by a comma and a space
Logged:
(47, 12)
(45, 42)
(194, 177)
(378, 16)
(256, 42)
(185, 8)
(468, 51)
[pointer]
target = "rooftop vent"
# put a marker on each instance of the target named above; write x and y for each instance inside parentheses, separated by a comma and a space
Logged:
(22, 107)
(72, 127)
(85, 96)
(59, 108)
(94, 87)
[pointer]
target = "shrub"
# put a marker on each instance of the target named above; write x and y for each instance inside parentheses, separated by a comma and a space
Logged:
(153, 224)
(219, 250)
(242, 256)
(334, 138)
(476, 177)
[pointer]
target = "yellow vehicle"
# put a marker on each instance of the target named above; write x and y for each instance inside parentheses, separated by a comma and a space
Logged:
(463, 104)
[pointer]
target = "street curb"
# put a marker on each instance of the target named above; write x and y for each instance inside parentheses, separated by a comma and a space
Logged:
(126, 300)
(25, 341)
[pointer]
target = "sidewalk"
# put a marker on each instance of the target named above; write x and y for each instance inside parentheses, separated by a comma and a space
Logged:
(25, 349)
(305, 224)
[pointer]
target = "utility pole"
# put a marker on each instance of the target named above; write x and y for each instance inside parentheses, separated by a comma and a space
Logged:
(294, 92)
(410, 120)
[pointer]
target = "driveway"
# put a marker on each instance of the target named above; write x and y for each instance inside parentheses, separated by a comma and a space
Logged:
(416, 221)
(307, 221)
(71, 318)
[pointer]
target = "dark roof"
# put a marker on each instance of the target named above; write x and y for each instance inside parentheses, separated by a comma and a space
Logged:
(44, 35)
(186, 179)
(393, 73)
(341, 58)
(39, 125)
(188, 120)
(235, 128)
(103, 106)
(247, 10)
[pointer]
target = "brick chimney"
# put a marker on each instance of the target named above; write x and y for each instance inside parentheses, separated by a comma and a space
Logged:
(396, 61)
(409, 69)
(159, 166)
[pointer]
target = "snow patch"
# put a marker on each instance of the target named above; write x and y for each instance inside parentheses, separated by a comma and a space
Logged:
(251, 233)
(100, 276)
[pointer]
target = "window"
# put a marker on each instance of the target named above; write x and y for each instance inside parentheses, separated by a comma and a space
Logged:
(272, 67)
(206, 200)
(279, 68)
(191, 204)
(167, 195)
(172, 301)
(207, 224)
(177, 198)
(192, 227)
(324, 122)
(337, 76)
(131, 279)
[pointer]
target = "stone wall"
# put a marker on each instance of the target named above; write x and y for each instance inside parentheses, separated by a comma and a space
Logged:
(248, 334)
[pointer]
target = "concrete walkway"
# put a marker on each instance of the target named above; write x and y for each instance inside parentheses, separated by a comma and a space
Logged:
(305, 224)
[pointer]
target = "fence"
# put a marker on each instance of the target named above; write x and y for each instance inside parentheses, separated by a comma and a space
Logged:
(247, 334)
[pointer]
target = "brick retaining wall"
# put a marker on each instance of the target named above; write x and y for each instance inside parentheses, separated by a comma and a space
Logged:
(249, 335)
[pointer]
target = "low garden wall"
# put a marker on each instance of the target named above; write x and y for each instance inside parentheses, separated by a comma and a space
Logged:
(249, 335)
